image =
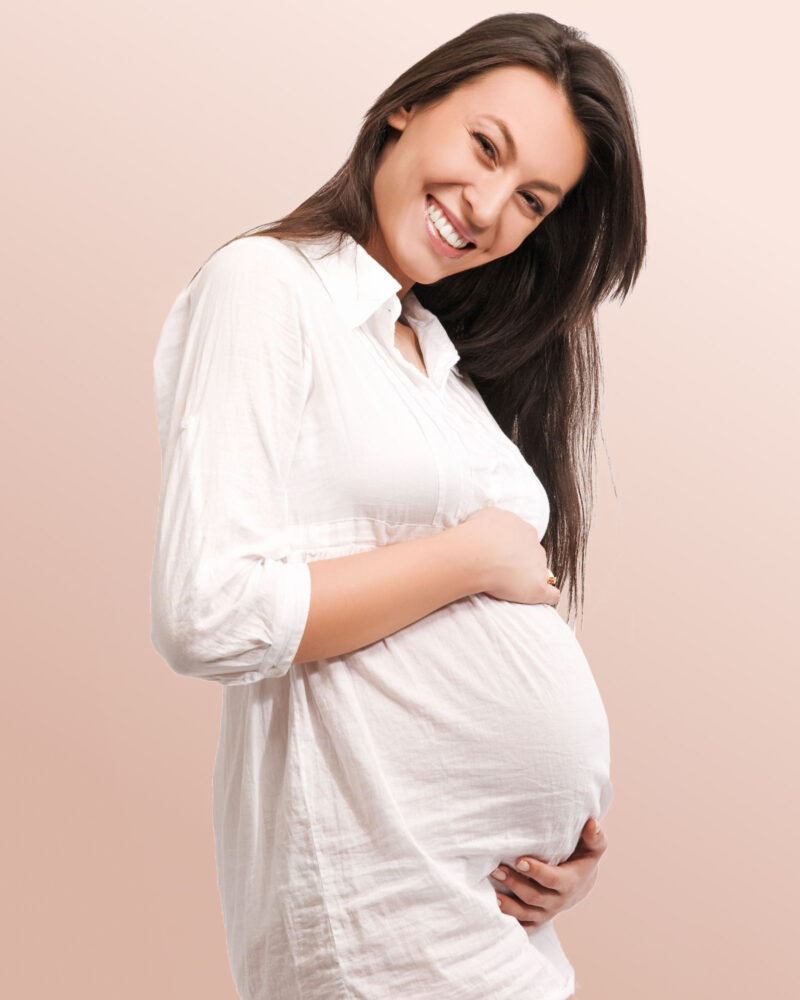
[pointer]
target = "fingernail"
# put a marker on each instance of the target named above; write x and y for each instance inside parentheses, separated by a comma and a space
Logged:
(523, 865)
(597, 830)
(498, 873)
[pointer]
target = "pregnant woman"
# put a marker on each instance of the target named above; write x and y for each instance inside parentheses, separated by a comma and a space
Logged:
(376, 418)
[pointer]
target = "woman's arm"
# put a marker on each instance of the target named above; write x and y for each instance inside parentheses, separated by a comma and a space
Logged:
(233, 374)
(359, 599)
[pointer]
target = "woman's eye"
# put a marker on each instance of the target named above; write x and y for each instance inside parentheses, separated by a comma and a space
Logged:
(536, 205)
(485, 144)
(488, 146)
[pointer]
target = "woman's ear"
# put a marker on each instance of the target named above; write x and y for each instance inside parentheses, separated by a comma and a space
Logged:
(399, 119)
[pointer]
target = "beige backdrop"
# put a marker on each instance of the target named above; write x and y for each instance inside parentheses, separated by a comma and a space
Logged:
(137, 139)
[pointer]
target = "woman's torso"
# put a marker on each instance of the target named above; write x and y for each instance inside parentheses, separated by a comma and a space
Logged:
(361, 802)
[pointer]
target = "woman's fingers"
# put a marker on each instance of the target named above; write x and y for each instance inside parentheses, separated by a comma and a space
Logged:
(546, 875)
(540, 891)
(527, 887)
(596, 839)
(528, 916)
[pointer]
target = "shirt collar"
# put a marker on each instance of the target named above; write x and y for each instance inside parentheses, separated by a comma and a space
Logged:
(360, 287)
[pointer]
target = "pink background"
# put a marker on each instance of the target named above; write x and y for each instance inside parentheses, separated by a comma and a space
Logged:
(139, 139)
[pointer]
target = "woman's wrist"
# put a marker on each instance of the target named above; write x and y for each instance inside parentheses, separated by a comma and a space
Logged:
(467, 557)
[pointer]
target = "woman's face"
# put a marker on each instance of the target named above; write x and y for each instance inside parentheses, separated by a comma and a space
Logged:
(454, 156)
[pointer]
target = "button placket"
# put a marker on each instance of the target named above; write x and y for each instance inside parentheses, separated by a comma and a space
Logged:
(443, 406)
(428, 402)
(411, 396)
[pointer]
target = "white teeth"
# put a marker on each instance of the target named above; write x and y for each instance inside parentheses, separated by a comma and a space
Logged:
(445, 229)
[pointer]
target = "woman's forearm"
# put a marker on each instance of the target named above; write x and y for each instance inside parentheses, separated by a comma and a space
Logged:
(361, 598)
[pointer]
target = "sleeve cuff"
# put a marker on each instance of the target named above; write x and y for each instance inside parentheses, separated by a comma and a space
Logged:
(294, 602)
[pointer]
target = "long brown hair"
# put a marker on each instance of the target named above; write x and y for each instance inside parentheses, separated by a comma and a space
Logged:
(524, 324)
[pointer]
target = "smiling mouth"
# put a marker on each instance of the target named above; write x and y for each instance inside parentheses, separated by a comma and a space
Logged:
(453, 250)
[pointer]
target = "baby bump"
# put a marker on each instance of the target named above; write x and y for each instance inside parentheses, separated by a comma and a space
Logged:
(490, 728)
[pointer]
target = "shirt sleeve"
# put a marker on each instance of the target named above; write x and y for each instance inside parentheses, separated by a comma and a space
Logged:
(227, 604)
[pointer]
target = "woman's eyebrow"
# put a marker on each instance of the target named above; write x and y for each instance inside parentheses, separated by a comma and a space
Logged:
(509, 138)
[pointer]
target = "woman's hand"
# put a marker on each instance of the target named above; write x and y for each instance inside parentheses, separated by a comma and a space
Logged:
(545, 890)
(512, 560)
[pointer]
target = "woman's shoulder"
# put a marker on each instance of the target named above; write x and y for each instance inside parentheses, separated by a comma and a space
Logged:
(263, 258)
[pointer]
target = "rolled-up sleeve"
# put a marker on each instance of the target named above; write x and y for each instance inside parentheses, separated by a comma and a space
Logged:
(232, 376)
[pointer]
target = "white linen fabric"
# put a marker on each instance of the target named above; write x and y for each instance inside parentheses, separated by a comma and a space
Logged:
(360, 803)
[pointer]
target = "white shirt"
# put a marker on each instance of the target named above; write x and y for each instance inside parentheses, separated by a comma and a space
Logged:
(360, 803)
